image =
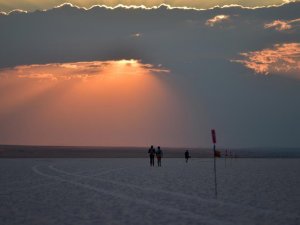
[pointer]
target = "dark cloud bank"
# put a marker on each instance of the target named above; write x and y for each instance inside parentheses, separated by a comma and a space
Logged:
(247, 109)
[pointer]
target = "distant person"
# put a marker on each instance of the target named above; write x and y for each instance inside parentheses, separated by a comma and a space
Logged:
(159, 154)
(151, 153)
(187, 155)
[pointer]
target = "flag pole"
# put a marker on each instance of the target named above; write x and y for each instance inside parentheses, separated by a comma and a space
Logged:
(225, 157)
(215, 171)
(213, 133)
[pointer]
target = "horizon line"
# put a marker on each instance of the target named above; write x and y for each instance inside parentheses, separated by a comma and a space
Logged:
(146, 146)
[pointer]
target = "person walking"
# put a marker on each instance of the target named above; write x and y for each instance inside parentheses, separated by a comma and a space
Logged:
(187, 155)
(159, 155)
(151, 153)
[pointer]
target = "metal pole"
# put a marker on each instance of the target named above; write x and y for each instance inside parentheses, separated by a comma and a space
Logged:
(226, 156)
(215, 170)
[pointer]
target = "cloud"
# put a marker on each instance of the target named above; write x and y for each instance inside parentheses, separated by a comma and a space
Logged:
(77, 70)
(281, 58)
(39, 76)
(136, 35)
(283, 25)
(217, 20)
(158, 69)
(32, 5)
(102, 34)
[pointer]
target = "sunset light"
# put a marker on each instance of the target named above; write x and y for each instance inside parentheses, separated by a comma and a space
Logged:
(98, 102)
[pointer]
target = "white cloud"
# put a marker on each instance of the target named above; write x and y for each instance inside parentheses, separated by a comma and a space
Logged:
(136, 35)
(217, 20)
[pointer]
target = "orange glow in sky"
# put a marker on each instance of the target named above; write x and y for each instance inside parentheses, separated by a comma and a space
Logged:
(88, 103)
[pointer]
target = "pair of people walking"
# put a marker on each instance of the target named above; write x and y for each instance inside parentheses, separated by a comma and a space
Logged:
(152, 153)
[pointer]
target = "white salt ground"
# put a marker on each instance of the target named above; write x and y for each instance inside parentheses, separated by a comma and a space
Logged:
(129, 191)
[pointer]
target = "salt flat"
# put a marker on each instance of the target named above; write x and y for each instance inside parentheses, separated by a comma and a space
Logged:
(129, 191)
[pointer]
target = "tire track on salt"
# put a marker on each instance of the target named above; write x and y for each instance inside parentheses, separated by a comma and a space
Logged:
(200, 218)
(182, 195)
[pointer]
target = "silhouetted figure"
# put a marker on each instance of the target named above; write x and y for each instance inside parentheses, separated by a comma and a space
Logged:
(151, 153)
(187, 155)
(159, 154)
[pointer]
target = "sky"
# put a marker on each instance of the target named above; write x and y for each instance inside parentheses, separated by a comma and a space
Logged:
(161, 76)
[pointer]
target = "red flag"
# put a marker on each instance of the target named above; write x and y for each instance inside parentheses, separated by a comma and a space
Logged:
(213, 134)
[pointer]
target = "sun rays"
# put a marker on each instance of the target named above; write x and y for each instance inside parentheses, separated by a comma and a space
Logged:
(92, 103)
